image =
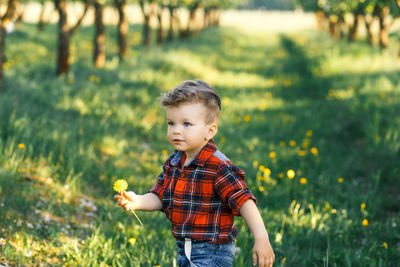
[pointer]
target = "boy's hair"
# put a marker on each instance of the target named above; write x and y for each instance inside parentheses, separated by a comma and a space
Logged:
(194, 91)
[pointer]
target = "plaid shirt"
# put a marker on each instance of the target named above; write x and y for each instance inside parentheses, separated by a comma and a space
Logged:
(201, 198)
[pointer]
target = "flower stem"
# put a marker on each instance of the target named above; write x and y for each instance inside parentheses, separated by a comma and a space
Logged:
(134, 213)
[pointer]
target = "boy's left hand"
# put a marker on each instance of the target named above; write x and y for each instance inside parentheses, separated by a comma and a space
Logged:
(263, 253)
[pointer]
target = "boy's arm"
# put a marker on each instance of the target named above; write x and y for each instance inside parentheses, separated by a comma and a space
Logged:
(262, 251)
(148, 202)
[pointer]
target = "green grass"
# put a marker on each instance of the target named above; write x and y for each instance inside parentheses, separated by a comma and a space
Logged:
(65, 140)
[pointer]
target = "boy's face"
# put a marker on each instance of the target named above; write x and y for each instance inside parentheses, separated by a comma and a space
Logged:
(187, 129)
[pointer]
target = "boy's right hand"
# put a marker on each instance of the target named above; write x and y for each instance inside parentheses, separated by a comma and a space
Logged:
(127, 200)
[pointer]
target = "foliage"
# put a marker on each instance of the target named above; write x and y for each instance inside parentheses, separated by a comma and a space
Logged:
(327, 111)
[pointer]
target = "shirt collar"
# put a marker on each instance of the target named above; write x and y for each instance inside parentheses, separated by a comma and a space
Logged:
(201, 158)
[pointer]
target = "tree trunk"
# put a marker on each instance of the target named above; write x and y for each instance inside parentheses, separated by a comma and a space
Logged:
(63, 38)
(3, 35)
(146, 30)
(353, 32)
(334, 29)
(160, 32)
(99, 56)
(320, 20)
(122, 29)
(370, 34)
(146, 22)
(6, 18)
(42, 23)
(384, 27)
(171, 10)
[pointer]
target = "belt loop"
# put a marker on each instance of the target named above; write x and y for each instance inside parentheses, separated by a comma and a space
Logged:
(188, 250)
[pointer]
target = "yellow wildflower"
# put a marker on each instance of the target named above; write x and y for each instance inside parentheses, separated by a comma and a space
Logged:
(281, 175)
(120, 185)
(164, 152)
(333, 211)
(267, 172)
(363, 206)
(247, 118)
(21, 146)
(261, 168)
(365, 222)
(314, 150)
(291, 174)
(292, 143)
(340, 180)
(272, 154)
(303, 180)
(309, 133)
(302, 153)
(282, 143)
(385, 245)
(222, 140)
(255, 163)
(132, 241)
(261, 188)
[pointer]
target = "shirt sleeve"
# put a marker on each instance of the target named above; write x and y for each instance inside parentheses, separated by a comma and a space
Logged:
(231, 187)
(158, 188)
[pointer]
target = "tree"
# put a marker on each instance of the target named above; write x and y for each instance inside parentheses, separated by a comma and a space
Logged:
(65, 33)
(122, 28)
(99, 52)
(5, 19)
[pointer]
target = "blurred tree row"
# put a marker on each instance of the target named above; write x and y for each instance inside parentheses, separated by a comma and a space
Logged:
(183, 18)
(344, 17)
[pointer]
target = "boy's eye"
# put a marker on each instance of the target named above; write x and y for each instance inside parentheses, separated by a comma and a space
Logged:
(170, 123)
(186, 124)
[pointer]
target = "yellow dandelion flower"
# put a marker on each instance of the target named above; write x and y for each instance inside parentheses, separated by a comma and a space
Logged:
(132, 241)
(261, 168)
(164, 152)
(120, 185)
(385, 245)
(287, 83)
(272, 154)
(302, 153)
(92, 78)
(363, 206)
(284, 259)
(255, 163)
(365, 222)
(340, 180)
(303, 180)
(247, 118)
(309, 133)
(314, 150)
(292, 143)
(222, 140)
(291, 174)
(333, 211)
(281, 175)
(305, 143)
(261, 188)
(267, 172)
(21, 146)
(282, 143)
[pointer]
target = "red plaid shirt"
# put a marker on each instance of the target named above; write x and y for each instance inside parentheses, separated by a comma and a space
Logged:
(200, 199)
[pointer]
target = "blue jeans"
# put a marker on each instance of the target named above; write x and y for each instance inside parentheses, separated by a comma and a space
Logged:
(205, 254)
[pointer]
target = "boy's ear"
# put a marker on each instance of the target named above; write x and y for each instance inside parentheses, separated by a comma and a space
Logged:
(212, 130)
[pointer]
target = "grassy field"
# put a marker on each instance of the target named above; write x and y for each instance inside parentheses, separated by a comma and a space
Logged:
(314, 123)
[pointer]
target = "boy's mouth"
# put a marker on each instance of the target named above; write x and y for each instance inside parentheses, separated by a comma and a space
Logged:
(178, 141)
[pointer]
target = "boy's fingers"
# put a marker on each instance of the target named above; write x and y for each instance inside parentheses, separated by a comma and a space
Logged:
(254, 258)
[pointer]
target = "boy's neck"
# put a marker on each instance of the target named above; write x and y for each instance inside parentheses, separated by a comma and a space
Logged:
(190, 156)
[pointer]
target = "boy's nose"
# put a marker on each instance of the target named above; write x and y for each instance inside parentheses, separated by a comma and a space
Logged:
(177, 130)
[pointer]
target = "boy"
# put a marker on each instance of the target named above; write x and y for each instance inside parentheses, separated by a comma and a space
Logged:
(200, 190)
